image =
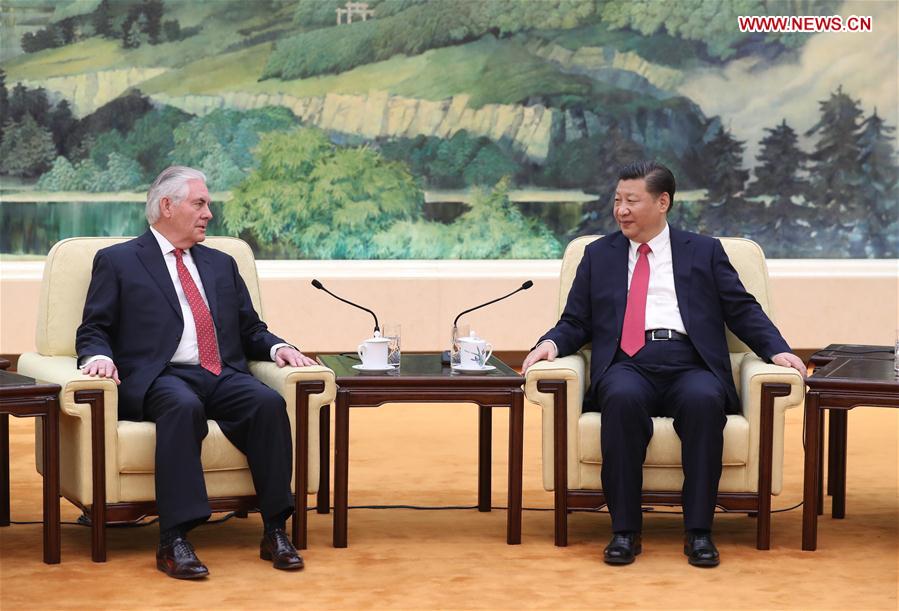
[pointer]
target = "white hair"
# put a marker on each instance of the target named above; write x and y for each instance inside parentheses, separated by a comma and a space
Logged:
(172, 183)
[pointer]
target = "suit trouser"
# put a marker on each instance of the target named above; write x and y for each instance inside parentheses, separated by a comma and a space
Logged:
(251, 415)
(669, 379)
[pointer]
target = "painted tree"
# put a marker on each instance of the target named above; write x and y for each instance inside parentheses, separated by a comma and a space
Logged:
(102, 20)
(62, 176)
(880, 184)
(61, 122)
(834, 171)
(779, 177)
(316, 201)
(27, 149)
(725, 175)
(4, 102)
(153, 10)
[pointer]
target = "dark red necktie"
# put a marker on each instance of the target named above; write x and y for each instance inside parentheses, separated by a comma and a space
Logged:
(209, 352)
(633, 333)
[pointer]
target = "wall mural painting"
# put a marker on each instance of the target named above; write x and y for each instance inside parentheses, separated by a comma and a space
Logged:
(435, 129)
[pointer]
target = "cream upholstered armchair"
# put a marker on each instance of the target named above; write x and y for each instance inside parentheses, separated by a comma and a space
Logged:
(107, 465)
(753, 440)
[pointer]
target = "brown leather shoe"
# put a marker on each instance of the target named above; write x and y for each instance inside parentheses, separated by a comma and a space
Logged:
(276, 546)
(179, 560)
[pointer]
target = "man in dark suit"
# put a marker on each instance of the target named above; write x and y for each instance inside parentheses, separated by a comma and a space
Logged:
(654, 301)
(172, 323)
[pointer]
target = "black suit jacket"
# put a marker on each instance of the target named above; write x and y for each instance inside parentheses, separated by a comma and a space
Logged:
(132, 315)
(709, 295)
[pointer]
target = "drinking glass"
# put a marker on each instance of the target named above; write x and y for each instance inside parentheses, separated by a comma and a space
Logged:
(896, 356)
(393, 333)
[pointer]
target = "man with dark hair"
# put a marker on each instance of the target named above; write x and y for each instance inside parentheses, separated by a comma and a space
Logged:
(645, 283)
(172, 323)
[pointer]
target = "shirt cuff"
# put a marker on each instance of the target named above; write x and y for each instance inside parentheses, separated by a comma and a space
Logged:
(277, 347)
(98, 357)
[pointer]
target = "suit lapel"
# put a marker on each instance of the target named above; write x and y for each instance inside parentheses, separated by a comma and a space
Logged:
(150, 256)
(618, 271)
(200, 256)
(682, 261)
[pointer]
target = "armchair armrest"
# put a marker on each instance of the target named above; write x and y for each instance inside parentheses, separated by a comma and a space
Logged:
(63, 370)
(754, 372)
(284, 379)
(571, 370)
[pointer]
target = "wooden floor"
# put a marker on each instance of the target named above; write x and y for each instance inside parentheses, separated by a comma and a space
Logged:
(403, 558)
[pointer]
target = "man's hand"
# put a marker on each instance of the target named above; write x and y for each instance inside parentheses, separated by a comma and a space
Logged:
(788, 359)
(293, 357)
(545, 351)
(103, 368)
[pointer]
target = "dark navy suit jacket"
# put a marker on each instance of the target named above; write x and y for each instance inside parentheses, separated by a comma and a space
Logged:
(709, 295)
(132, 315)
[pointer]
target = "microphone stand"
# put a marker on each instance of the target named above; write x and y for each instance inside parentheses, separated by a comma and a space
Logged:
(445, 356)
(321, 287)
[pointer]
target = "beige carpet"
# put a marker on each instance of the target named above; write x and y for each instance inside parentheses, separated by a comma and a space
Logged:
(426, 455)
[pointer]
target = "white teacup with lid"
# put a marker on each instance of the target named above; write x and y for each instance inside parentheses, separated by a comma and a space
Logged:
(373, 352)
(474, 352)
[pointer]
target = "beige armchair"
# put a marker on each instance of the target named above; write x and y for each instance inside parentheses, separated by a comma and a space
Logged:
(753, 440)
(107, 465)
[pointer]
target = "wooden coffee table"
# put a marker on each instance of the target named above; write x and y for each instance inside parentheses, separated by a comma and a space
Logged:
(423, 379)
(22, 396)
(843, 383)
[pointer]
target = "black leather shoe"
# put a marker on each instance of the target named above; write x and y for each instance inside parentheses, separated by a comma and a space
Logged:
(623, 548)
(275, 546)
(178, 560)
(700, 550)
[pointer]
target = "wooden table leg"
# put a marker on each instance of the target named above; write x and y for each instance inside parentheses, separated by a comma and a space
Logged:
(810, 479)
(341, 466)
(51, 483)
(820, 490)
(831, 444)
(516, 450)
(485, 456)
(838, 476)
(323, 505)
(4, 469)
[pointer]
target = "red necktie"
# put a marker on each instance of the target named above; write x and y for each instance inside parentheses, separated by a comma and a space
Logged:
(633, 333)
(209, 352)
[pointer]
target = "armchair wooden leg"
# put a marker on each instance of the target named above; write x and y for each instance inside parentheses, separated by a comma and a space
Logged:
(560, 456)
(301, 460)
(98, 471)
(766, 448)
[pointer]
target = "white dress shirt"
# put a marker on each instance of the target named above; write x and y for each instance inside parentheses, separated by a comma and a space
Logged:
(662, 311)
(188, 351)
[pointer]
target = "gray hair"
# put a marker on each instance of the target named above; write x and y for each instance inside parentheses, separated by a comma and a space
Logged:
(171, 182)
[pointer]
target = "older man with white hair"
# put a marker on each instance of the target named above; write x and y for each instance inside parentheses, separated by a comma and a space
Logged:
(171, 322)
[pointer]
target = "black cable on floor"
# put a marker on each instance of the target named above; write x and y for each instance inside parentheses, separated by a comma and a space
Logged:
(84, 521)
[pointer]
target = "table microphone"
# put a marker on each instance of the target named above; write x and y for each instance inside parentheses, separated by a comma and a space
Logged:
(321, 287)
(445, 357)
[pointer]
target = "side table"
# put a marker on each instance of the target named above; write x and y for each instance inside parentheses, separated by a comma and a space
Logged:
(22, 396)
(842, 384)
(837, 430)
(423, 379)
